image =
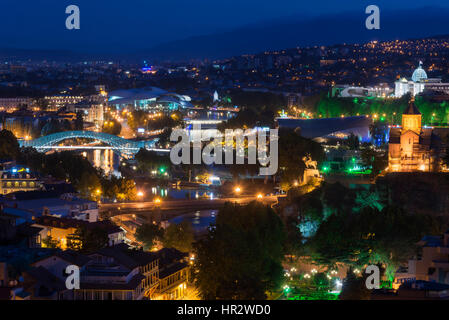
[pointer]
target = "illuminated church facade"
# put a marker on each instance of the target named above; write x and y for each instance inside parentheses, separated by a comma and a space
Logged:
(413, 147)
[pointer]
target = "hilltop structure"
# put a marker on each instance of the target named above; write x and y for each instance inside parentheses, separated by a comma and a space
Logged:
(418, 83)
(413, 147)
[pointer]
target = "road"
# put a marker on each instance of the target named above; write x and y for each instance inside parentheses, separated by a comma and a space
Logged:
(178, 205)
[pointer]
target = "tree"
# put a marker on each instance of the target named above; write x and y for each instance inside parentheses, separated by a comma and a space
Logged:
(369, 236)
(179, 236)
(79, 121)
(378, 130)
(7, 232)
(148, 161)
(354, 287)
(49, 242)
(88, 239)
(148, 234)
(112, 127)
(89, 185)
(137, 119)
(42, 104)
(376, 160)
(127, 190)
(241, 256)
(445, 157)
(165, 121)
(164, 137)
(9, 147)
(292, 149)
(293, 243)
(353, 142)
(50, 127)
(64, 165)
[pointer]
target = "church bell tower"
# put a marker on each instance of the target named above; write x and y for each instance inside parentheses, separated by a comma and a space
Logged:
(411, 118)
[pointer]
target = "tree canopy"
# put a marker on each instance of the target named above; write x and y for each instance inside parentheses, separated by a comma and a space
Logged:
(88, 239)
(148, 234)
(370, 236)
(179, 236)
(292, 149)
(9, 147)
(241, 256)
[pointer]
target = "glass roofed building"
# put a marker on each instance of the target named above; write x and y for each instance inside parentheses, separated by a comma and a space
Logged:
(149, 98)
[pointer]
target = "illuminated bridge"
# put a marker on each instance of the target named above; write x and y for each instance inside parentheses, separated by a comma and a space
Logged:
(118, 144)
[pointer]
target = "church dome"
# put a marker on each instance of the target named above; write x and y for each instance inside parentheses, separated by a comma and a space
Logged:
(419, 74)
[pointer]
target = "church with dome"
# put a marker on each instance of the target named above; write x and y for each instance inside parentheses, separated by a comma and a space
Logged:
(416, 84)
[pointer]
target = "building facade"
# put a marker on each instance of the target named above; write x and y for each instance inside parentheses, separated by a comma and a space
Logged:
(430, 264)
(15, 179)
(111, 273)
(418, 83)
(413, 147)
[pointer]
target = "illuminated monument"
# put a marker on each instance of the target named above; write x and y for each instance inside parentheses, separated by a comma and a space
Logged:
(414, 86)
(419, 83)
(413, 147)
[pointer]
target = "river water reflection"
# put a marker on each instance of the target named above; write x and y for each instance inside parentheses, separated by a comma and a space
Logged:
(105, 159)
(200, 220)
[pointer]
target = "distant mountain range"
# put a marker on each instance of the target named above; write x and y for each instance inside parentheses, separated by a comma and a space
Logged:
(296, 32)
(49, 55)
(274, 35)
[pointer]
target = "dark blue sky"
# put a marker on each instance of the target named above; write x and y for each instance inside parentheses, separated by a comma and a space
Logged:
(124, 25)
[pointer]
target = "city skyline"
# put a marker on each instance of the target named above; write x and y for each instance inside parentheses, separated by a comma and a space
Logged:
(234, 152)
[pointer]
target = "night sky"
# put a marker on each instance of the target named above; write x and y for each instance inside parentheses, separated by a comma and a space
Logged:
(120, 26)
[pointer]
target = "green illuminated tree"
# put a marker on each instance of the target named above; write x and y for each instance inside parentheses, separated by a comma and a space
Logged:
(370, 236)
(374, 159)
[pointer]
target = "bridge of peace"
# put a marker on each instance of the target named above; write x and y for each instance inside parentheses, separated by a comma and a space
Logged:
(118, 144)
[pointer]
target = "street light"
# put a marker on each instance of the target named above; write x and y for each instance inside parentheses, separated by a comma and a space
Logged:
(157, 201)
(98, 194)
(259, 196)
(237, 189)
(140, 194)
